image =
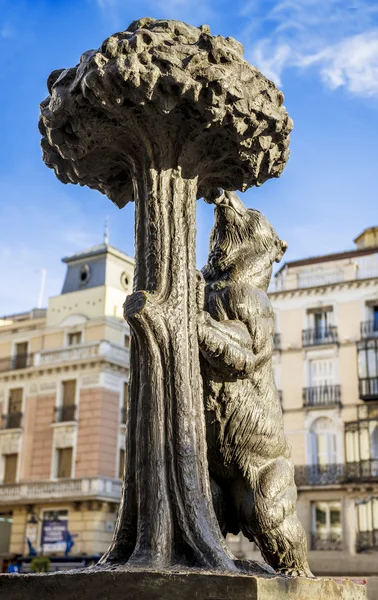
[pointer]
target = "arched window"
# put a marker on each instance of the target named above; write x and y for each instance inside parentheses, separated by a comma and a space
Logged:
(322, 442)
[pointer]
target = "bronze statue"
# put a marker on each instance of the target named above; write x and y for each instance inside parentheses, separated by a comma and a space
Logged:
(252, 476)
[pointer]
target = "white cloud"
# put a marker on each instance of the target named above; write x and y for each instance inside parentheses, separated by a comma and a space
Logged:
(337, 38)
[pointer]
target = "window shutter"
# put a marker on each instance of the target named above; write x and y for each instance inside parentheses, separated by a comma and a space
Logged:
(64, 463)
(69, 392)
(10, 468)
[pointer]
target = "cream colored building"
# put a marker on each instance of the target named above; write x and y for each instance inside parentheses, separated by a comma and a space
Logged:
(63, 389)
(326, 366)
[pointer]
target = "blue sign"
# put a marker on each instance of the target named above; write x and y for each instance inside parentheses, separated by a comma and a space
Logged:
(54, 535)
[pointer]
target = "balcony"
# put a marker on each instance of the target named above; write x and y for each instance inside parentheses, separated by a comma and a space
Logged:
(318, 337)
(99, 488)
(368, 388)
(277, 341)
(83, 352)
(21, 361)
(322, 396)
(329, 540)
(336, 474)
(65, 413)
(308, 475)
(369, 329)
(367, 541)
(12, 421)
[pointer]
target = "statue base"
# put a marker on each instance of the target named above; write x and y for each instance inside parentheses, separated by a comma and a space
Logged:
(120, 584)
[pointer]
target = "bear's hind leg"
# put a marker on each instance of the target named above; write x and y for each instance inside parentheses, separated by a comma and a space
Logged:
(271, 519)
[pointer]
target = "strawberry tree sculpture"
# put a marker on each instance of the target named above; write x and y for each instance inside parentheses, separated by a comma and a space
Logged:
(163, 114)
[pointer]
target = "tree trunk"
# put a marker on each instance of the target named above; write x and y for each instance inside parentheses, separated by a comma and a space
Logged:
(166, 515)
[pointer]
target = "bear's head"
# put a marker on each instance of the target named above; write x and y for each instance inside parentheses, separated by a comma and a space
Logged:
(243, 244)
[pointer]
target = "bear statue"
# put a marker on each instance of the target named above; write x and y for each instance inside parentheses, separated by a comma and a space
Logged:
(251, 473)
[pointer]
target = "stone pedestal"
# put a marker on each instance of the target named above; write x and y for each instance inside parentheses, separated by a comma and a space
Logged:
(132, 585)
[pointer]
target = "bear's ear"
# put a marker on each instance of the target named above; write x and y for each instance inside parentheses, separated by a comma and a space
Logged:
(283, 247)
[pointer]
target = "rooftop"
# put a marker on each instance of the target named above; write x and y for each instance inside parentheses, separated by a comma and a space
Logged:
(97, 250)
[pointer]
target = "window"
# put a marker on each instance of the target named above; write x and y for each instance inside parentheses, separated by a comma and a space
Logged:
(121, 463)
(375, 318)
(321, 372)
(74, 339)
(126, 341)
(84, 274)
(368, 359)
(321, 323)
(21, 355)
(64, 463)
(326, 526)
(10, 468)
(66, 410)
(69, 392)
(322, 442)
(13, 418)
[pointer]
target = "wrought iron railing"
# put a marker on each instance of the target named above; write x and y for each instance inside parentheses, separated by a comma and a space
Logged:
(306, 475)
(368, 388)
(20, 361)
(337, 473)
(65, 413)
(330, 540)
(319, 336)
(367, 540)
(277, 341)
(369, 329)
(12, 421)
(322, 395)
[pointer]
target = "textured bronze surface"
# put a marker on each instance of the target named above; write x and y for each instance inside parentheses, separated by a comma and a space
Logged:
(163, 114)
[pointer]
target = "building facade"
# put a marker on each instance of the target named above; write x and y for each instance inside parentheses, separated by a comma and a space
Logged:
(63, 392)
(326, 367)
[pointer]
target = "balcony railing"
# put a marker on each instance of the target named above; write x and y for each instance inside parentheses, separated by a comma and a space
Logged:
(330, 540)
(368, 388)
(321, 395)
(277, 341)
(94, 350)
(317, 337)
(65, 413)
(20, 361)
(367, 540)
(335, 474)
(79, 489)
(369, 329)
(12, 421)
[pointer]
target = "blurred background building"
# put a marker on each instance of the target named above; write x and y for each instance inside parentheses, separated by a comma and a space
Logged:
(326, 367)
(64, 389)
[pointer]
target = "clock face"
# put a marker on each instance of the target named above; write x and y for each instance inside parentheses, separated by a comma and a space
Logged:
(84, 274)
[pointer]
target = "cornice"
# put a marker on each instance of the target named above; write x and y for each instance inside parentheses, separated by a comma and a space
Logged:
(322, 289)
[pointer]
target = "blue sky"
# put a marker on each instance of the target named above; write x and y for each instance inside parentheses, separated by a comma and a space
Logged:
(322, 53)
